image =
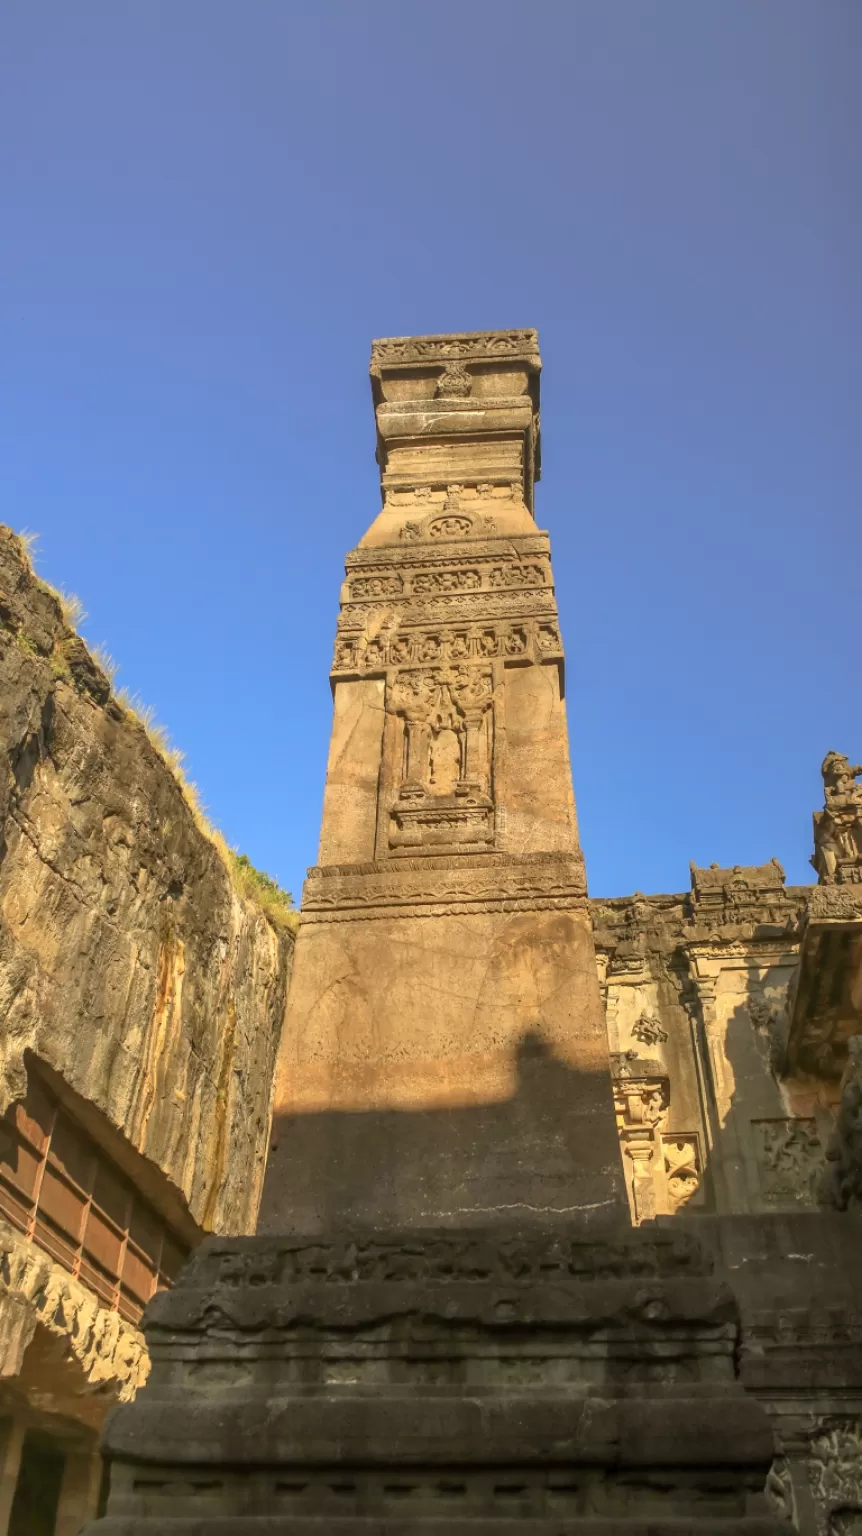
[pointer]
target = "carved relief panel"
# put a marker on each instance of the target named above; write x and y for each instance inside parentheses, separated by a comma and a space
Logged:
(361, 654)
(664, 1169)
(789, 1161)
(439, 787)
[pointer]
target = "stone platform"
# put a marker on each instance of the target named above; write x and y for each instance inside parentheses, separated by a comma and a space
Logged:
(481, 1382)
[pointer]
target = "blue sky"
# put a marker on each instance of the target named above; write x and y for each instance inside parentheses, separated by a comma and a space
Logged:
(210, 209)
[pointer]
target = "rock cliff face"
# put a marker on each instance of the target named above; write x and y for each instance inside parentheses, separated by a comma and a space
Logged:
(129, 964)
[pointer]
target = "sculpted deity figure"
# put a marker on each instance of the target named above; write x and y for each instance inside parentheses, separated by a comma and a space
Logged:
(838, 827)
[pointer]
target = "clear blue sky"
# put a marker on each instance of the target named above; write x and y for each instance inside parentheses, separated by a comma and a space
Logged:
(210, 209)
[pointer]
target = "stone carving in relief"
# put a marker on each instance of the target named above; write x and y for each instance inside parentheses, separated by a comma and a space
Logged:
(400, 649)
(444, 796)
(376, 586)
(838, 827)
(835, 1475)
(835, 903)
(682, 1169)
(411, 531)
(514, 642)
(515, 575)
(345, 654)
(641, 1091)
(421, 349)
(454, 383)
(446, 581)
(765, 1018)
(789, 1160)
(452, 526)
(779, 1490)
(840, 1184)
(648, 1030)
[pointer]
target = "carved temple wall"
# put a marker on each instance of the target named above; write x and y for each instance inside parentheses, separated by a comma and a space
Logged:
(715, 1109)
(734, 1015)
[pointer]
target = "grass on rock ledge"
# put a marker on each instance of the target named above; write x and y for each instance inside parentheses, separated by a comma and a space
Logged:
(249, 883)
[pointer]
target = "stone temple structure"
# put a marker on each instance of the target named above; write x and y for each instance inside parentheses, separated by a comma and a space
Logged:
(560, 1224)
(464, 1309)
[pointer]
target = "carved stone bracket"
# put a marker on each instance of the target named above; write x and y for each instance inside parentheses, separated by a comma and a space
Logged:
(34, 1290)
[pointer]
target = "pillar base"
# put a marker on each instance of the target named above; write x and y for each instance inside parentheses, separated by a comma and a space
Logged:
(484, 1382)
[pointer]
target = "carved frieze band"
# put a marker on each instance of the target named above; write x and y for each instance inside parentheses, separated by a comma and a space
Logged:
(448, 577)
(356, 654)
(430, 349)
(406, 555)
(423, 887)
(450, 608)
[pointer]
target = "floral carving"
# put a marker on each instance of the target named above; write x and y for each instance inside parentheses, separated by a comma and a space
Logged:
(454, 383)
(422, 349)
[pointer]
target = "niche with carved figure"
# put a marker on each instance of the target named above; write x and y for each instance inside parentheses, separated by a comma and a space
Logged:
(444, 797)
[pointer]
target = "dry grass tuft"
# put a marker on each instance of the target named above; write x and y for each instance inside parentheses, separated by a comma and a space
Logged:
(276, 903)
(103, 658)
(28, 541)
(74, 612)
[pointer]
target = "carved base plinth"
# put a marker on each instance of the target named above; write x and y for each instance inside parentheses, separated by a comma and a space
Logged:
(474, 1382)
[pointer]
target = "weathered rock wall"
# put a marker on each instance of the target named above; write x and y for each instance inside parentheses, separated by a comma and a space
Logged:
(128, 962)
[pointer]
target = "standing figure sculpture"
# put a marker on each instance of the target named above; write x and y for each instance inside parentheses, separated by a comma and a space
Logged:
(838, 827)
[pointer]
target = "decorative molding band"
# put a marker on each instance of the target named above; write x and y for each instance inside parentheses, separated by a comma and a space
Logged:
(455, 608)
(436, 886)
(355, 654)
(446, 552)
(460, 908)
(835, 904)
(477, 345)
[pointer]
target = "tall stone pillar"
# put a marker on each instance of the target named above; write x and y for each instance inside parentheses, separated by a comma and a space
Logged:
(448, 1323)
(444, 1058)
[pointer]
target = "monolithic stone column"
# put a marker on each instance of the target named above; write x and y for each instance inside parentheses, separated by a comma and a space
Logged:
(444, 1057)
